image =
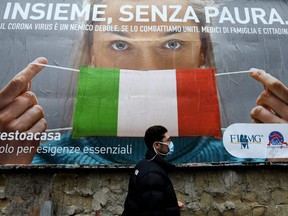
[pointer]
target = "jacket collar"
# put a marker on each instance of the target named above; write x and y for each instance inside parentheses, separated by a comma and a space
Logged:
(160, 160)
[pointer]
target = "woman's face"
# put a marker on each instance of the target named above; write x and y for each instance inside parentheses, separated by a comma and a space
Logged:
(146, 50)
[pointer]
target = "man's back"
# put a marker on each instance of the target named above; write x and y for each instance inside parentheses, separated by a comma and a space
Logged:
(150, 190)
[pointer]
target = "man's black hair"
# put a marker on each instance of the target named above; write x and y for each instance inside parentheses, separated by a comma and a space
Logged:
(153, 134)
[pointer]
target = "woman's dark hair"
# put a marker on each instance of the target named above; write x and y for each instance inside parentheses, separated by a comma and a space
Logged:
(153, 134)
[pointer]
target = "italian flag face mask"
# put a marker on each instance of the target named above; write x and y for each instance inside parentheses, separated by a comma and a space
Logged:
(116, 102)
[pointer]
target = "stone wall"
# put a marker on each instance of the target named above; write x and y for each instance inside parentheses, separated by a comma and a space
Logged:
(101, 192)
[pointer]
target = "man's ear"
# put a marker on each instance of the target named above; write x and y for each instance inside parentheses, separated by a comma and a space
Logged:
(157, 145)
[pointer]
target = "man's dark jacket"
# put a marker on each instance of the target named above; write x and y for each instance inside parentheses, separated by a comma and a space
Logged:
(150, 191)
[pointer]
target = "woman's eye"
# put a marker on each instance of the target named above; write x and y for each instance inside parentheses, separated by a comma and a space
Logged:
(120, 45)
(173, 44)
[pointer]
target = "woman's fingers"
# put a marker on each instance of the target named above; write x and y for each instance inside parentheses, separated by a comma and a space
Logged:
(274, 104)
(20, 83)
(271, 83)
(261, 114)
(27, 119)
(19, 111)
(38, 127)
(17, 108)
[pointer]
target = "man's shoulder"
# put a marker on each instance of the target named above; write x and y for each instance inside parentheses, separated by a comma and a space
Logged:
(146, 163)
(145, 166)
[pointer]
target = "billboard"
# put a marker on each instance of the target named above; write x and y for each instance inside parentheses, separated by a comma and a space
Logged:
(212, 72)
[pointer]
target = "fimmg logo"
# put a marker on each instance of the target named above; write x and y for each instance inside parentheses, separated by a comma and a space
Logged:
(245, 140)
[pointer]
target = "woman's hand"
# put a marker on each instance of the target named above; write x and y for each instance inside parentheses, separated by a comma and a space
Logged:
(272, 103)
(19, 111)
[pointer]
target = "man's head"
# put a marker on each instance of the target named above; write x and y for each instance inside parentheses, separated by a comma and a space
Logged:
(154, 134)
(158, 139)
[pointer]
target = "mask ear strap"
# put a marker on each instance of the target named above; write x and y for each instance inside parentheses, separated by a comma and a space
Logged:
(155, 153)
(152, 157)
(159, 153)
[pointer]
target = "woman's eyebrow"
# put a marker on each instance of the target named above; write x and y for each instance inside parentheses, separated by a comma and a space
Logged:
(173, 32)
(122, 34)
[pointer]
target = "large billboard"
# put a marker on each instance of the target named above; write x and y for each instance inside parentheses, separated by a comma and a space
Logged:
(82, 80)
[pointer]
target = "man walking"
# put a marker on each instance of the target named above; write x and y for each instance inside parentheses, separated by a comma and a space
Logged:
(150, 190)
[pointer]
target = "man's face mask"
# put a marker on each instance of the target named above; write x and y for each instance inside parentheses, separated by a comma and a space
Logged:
(170, 145)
